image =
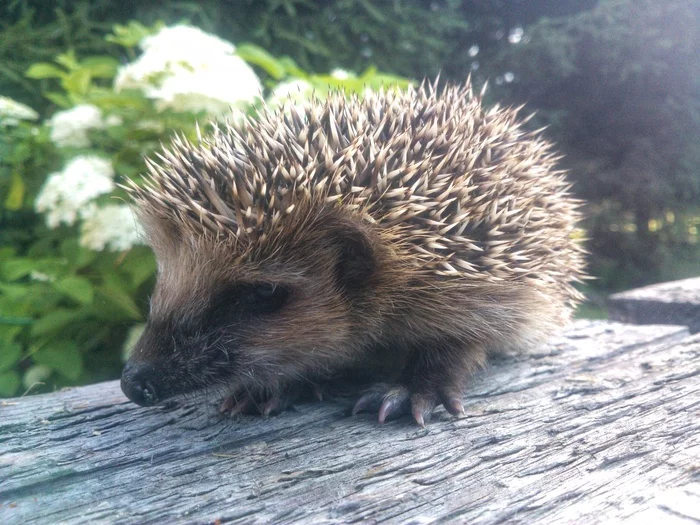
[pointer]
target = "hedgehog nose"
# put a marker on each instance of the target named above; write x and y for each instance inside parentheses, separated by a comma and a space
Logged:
(138, 384)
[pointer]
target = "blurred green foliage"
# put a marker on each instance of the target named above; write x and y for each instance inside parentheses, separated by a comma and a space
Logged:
(411, 38)
(67, 310)
(619, 88)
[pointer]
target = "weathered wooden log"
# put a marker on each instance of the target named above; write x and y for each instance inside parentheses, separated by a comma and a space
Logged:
(675, 302)
(601, 425)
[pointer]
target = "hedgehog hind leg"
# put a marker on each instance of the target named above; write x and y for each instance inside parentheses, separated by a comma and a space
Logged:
(435, 375)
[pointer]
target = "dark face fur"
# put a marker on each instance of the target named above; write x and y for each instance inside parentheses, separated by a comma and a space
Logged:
(224, 318)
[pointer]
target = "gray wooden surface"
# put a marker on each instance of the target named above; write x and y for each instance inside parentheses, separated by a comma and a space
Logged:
(675, 302)
(603, 425)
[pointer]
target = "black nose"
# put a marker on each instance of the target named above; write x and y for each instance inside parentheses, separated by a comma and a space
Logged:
(139, 384)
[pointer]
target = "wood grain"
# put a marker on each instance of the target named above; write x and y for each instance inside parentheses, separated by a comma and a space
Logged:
(601, 425)
(675, 302)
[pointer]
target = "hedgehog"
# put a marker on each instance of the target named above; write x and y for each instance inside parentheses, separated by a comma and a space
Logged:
(394, 240)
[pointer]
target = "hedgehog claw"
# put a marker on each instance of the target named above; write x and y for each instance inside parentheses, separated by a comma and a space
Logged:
(454, 406)
(272, 406)
(369, 401)
(394, 404)
(394, 401)
(418, 417)
(249, 404)
(422, 408)
(280, 402)
(234, 405)
(318, 392)
(227, 405)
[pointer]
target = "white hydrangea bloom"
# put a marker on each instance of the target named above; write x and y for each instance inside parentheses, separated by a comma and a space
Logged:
(11, 112)
(295, 92)
(70, 128)
(186, 69)
(111, 227)
(214, 90)
(341, 74)
(65, 193)
(183, 44)
(113, 120)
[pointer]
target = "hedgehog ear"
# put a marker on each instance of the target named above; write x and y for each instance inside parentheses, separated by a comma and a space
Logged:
(164, 236)
(356, 260)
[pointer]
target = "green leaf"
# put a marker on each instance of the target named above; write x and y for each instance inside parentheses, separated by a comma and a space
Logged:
(373, 11)
(15, 196)
(78, 81)
(56, 320)
(76, 255)
(259, 57)
(77, 288)
(127, 98)
(115, 303)
(9, 355)
(15, 321)
(36, 374)
(59, 99)
(6, 252)
(140, 264)
(61, 356)
(68, 60)
(9, 383)
(101, 67)
(292, 68)
(12, 307)
(44, 70)
(132, 338)
(131, 34)
(9, 333)
(19, 267)
(14, 291)
(377, 80)
(22, 153)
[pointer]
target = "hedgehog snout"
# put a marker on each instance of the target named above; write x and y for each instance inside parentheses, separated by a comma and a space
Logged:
(140, 384)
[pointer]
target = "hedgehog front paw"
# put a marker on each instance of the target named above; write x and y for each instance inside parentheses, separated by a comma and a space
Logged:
(392, 401)
(243, 401)
(249, 404)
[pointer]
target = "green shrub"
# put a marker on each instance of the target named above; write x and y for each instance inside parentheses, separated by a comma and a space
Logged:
(74, 276)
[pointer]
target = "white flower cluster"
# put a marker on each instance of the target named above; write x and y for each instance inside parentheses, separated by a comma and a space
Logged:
(295, 92)
(68, 195)
(186, 69)
(291, 93)
(11, 112)
(70, 128)
(112, 226)
(65, 193)
(341, 74)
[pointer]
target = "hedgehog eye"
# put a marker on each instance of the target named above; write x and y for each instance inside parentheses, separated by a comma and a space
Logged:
(247, 299)
(269, 297)
(265, 291)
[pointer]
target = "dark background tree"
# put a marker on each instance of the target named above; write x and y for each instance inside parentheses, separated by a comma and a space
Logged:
(616, 81)
(620, 87)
